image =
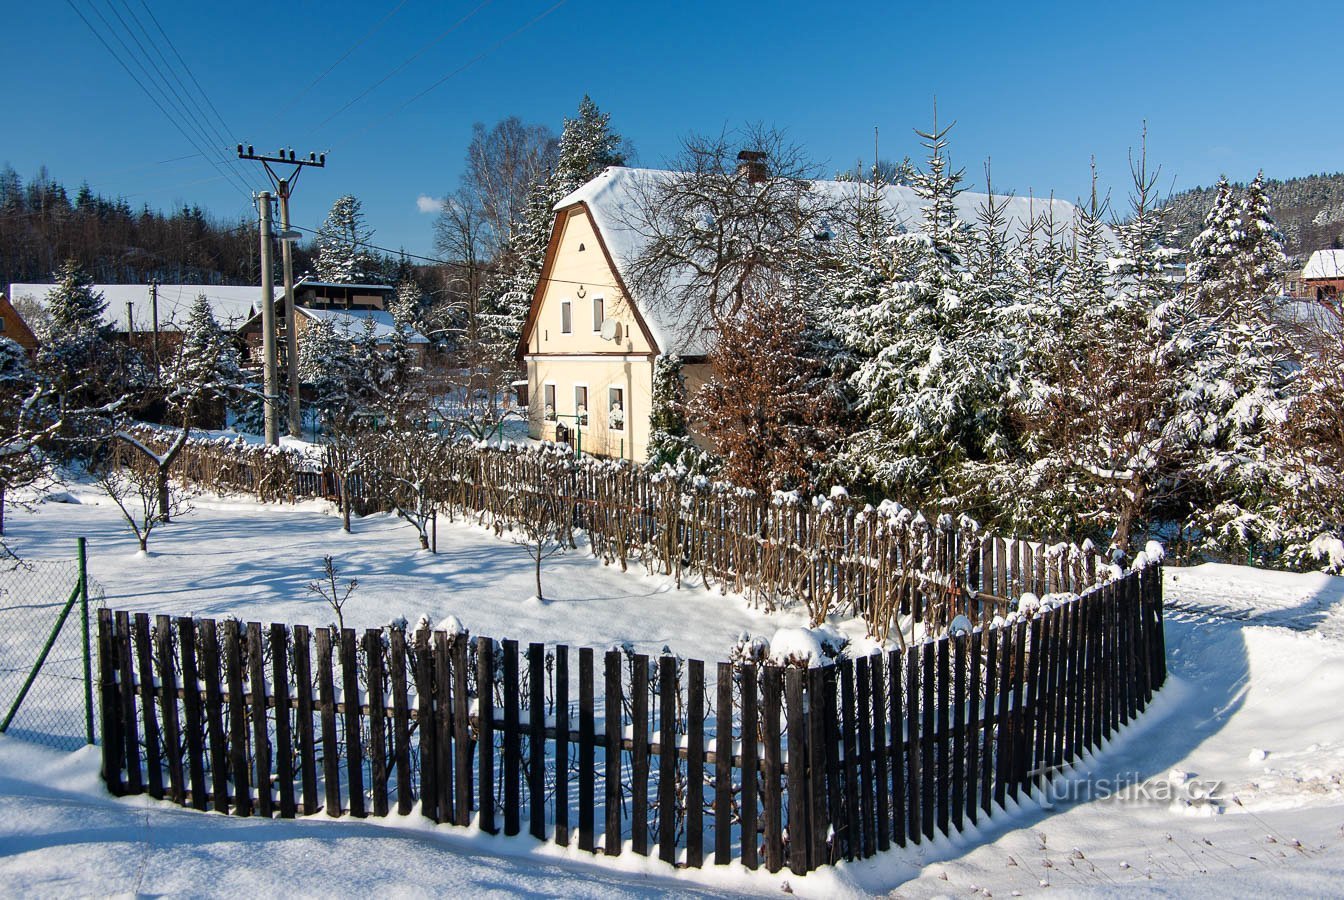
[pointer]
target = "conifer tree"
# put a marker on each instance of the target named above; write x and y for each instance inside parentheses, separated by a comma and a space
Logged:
(342, 242)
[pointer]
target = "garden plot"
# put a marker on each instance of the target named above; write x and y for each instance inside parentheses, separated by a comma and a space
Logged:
(236, 557)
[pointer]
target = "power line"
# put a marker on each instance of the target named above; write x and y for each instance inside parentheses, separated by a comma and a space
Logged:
(150, 94)
(189, 104)
(412, 58)
(331, 68)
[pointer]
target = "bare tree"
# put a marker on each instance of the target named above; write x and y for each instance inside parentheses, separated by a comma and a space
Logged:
(722, 221)
(503, 165)
(336, 594)
(136, 493)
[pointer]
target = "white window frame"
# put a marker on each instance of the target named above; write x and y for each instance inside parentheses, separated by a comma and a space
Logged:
(586, 416)
(566, 317)
(545, 385)
(599, 313)
(625, 419)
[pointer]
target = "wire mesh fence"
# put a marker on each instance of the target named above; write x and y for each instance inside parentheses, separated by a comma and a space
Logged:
(45, 665)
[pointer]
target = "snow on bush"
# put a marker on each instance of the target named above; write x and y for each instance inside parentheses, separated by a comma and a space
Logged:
(960, 625)
(806, 647)
(451, 624)
(1330, 548)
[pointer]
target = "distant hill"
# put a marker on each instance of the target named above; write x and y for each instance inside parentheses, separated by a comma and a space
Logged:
(1309, 210)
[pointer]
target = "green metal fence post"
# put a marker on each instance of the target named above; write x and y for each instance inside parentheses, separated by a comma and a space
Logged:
(88, 657)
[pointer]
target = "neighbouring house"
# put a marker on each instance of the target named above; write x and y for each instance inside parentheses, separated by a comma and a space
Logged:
(589, 344)
(13, 326)
(151, 316)
(349, 321)
(327, 295)
(1323, 275)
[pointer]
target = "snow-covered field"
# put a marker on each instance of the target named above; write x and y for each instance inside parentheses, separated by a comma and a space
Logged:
(1257, 673)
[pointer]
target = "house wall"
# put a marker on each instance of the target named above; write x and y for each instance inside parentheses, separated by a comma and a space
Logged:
(582, 357)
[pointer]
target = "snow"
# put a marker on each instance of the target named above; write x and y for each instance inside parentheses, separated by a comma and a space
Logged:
(1325, 264)
(1256, 661)
(352, 320)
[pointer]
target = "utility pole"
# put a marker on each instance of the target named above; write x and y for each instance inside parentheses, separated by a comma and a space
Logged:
(284, 187)
(269, 386)
(154, 313)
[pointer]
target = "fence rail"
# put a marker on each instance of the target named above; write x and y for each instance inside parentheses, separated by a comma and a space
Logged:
(833, 554)
(774, 766)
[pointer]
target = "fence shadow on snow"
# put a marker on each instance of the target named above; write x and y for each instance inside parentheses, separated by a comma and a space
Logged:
(775, 766)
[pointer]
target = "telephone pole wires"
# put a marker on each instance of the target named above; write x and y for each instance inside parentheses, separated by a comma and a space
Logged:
(284, 187)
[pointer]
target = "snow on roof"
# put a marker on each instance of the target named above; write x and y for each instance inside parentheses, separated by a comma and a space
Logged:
(352, 321)
(1325, 264)
(613, 198)
(230, 304)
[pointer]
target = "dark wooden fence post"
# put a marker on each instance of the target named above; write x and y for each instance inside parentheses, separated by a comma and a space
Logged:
(587, 756)
(233, 675)
(354, 751)
(536, 765)
(261, 747)
(774, 814)
(191, 698)
(667, 758)
(723, 767)
(562, 745)
(172, 728)
(611, 670)
(800, 835)
(326, 686)
(639, 790)
(695, 763)
(401, 722)
(485, 730)
(107, 698)
(512, 738)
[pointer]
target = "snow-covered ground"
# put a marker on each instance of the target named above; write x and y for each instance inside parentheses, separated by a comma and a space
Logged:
(1257, 673)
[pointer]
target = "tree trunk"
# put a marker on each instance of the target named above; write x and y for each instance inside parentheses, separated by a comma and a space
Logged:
(538, 558)
(144, 542)
(345, 504)
(162, 478)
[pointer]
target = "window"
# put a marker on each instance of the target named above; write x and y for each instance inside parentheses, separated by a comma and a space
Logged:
(599, 313)
(566, 320)
(616, 408)
(548, 400)
(581, 404)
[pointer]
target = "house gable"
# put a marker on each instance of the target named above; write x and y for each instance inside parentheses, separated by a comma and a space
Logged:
(579, 273)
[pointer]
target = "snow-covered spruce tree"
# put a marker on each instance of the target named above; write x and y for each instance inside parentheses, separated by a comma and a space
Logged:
(1241, 380)
(933, 375)
(407, 306)
(327, 365)
(770, 406)
(670, 442)
(587, 146)
(91, 374)
(342, 256)
(25, 423)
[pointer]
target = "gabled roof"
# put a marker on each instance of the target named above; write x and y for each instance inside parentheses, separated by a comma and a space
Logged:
(1325, 264)
(612, 199)
(352, 321)
(231, 304)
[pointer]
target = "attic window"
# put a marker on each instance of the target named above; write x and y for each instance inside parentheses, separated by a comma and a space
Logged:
(581, 248)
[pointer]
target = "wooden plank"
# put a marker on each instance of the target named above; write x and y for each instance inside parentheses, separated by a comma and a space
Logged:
(819, 819)
(536, 766)
(587, 756)
(191, 700)
(172, 733)
(401, 723)
(914, 758)
(214, 715)
(928, 789)
(142, 638)
(444, 781)
(130, 732)
(800, 837)
(427, 726)
(462, 778)
(895, 676)
(639, 806)
(974, 726)
(863, 715)
(667, 758)
(611, 667)
(233, 678)
(723, 767)
(1003, 728)
(562, 745)
(303, 683)
(695, 763)
(512, 739)
(261, 746)
(850, 830)
(750, 761)
(377, 749)
(284, 742)
(957, 815)
(881, 745)
(326, 700)
(1020, 727)
(109, 703)
(772, 792)
(354, 750)
(944, 776)
(485, 731)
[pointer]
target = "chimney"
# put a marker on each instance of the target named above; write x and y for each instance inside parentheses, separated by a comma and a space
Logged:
(751, 163)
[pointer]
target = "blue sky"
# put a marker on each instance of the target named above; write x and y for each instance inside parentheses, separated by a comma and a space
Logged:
(1040, 87)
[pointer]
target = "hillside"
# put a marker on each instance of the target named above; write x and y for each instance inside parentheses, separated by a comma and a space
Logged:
(1309, 210)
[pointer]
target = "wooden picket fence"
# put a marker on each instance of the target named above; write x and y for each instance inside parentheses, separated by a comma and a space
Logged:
(833, 554)
(774, 766)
